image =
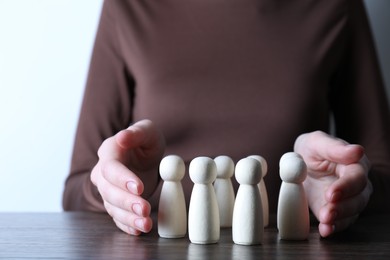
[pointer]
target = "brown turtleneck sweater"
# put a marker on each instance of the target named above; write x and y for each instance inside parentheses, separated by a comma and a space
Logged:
(233, 77)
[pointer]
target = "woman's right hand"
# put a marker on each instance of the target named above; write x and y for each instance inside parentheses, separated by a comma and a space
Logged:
(127, 161)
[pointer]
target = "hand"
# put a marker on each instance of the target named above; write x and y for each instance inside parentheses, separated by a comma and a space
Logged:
(127, 161)
(337, 184)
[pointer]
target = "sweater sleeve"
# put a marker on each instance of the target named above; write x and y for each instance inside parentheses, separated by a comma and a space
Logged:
(106, 109)
(360, 105)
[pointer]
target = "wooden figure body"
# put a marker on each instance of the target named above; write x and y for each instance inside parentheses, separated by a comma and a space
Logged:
(203, 216)
(172, 212)
(248, 226)
(293, 212)
(224, 189)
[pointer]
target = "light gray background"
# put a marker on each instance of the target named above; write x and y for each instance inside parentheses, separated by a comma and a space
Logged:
(45, 47)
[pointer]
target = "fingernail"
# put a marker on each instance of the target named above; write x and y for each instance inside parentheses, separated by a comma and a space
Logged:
(137, 209)
(139, 223)
(132, 187)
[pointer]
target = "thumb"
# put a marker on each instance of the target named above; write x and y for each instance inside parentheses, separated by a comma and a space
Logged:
(321, 146)
(143, 134)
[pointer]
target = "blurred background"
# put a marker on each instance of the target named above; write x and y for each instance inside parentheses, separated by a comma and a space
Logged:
(45, 47)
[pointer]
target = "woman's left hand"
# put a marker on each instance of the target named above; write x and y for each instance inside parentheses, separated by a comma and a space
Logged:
(337, 184)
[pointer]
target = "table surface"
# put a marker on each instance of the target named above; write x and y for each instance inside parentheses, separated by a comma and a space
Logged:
(81, 235)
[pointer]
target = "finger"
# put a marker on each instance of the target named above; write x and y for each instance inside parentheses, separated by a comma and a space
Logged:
(95, 174)
(141, 134)
(326, 230)
(124, 200)
(120, 176)
(333, 212)
(128, 221)
(320, 146)
(342, 188)
(110, 150)
(127, 229)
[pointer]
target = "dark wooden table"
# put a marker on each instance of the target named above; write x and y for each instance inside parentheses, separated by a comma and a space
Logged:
(94, 236)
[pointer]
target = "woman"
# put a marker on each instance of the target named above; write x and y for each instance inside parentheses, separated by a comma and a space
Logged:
(235, 78)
